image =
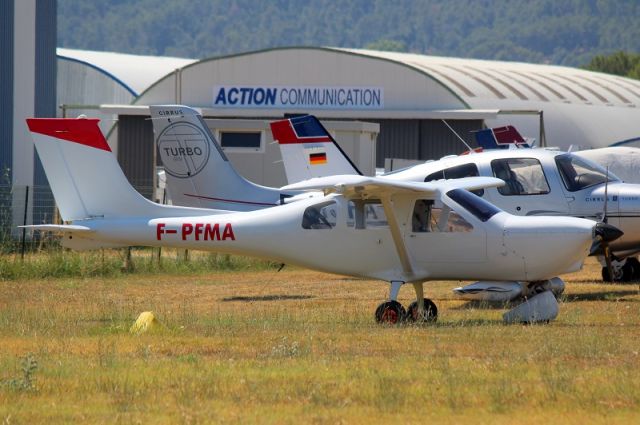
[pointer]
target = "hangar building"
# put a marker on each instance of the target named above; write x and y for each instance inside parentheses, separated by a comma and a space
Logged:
(407, 95)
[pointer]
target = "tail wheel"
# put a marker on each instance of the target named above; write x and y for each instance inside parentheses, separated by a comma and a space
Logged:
(390, 312)
(429, 315)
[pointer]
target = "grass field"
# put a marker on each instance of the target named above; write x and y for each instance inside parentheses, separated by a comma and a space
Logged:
(302, 347)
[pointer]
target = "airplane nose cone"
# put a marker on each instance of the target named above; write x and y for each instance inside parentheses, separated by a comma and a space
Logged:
(607, 232)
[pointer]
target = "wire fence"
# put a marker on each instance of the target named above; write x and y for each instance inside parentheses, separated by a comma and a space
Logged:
(27, 205)
(28, 253)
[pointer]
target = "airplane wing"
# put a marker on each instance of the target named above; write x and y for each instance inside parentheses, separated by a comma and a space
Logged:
(366, 187)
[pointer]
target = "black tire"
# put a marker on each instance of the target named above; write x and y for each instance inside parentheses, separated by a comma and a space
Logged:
(607, 278)
(431, 312)
(631, 269)
(390, 312)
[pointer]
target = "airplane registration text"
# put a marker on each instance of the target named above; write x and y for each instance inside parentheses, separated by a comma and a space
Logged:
(198, 231)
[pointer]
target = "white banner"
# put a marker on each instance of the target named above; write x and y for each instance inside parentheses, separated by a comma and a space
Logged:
(311, 97)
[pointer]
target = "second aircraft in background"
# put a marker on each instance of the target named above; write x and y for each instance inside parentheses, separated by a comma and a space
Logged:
(538, 181)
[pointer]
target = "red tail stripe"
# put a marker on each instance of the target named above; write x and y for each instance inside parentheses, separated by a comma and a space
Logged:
(84, 131)
(283, 132)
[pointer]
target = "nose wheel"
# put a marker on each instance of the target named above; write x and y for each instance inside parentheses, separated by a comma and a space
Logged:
(423, 310)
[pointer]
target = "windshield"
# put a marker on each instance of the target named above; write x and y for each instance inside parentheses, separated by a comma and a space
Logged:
(578, 173)
(477, 206)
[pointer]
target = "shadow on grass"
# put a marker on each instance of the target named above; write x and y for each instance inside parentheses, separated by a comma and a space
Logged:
(602, 296)
(268, 298)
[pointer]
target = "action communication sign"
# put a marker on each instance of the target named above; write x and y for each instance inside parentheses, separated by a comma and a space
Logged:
(309, 97)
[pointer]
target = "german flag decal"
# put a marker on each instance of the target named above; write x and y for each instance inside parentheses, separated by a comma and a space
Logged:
(317, 158)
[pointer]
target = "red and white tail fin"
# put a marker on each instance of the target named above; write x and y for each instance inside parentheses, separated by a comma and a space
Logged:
(84, 175)
(197, 170)
(308, 150)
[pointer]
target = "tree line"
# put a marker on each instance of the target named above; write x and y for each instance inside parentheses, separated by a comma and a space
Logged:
(568, 32)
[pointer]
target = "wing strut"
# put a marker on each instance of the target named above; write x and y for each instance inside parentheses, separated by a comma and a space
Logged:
(401, 249)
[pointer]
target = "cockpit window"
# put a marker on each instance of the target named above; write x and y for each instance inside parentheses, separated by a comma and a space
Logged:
(522, 176)
(578, 174)
(320, 216)
(457, 172)
(477, 206)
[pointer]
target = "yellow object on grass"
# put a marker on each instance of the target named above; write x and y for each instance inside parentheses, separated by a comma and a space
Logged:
(145, 322)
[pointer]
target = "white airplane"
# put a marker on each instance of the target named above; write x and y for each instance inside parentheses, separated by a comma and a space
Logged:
(466, 237)
(538, 181)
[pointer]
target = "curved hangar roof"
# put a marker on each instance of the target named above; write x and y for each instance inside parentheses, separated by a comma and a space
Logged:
(580, 107)
(134, 72)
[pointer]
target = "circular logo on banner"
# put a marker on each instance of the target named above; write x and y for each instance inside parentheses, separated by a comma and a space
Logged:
(184, 149)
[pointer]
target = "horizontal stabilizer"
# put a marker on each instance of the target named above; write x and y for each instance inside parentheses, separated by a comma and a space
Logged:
(59, 228)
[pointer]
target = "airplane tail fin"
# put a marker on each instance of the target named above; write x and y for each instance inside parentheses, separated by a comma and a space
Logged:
(83, 173)
(308, 150)
(500, 138)
(198, 172)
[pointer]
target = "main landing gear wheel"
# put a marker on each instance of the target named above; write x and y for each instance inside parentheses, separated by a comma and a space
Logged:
(626, 272)
(429, 315)
(390, 312)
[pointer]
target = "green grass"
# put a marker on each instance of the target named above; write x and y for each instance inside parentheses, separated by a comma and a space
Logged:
(56, 262)
(302, 347)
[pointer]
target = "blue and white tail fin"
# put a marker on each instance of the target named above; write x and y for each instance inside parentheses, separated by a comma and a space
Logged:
(308, 150)
(506, 137)
(198, 172)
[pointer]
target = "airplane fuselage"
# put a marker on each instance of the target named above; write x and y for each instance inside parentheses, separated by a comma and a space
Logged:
(504, 247)
(544, 189)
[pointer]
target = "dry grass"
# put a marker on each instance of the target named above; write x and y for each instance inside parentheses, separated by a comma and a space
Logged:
(302, 347)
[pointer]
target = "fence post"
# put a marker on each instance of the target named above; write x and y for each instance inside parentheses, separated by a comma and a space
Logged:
(24, 223)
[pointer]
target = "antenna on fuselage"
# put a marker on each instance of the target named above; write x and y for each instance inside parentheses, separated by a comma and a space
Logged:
(458, 136)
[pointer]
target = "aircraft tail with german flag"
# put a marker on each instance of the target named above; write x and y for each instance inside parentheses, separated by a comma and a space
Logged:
(308, 150)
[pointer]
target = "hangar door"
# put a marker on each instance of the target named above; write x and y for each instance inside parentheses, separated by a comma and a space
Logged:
(423, 139)
(135, 152)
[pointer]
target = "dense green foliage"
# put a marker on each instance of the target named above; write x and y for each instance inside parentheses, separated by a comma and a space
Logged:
(569, 32)
(619, 63)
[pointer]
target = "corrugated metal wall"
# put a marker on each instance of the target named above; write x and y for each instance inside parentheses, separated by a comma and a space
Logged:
(135, 152)
(44, 103)
(6, 88)
(422, 139)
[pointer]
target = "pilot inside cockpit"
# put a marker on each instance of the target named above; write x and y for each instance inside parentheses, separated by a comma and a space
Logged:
(421, 215)
(512, 186)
